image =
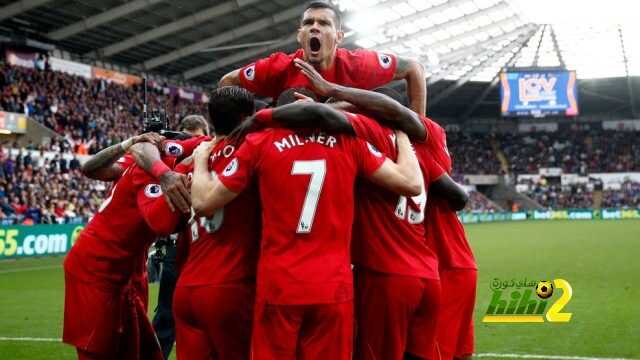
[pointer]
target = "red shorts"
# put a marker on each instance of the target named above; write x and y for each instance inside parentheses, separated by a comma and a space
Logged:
(455, 330)
(214, 321)
(104, 320)
(322, 331)
(395, 314)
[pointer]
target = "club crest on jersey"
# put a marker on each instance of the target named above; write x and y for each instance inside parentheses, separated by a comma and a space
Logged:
(153, 191)
(231, 168)
(374, 151)
(384, 60)
(250, 72)
(173, 149)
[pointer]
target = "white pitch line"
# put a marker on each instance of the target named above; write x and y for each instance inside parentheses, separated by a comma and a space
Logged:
(35, 268)
(2, 338)
(546, 357)
(481, 355)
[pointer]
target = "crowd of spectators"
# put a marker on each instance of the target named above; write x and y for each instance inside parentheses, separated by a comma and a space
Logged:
(35, 189)
(472, 154)
(478, 202)
(574, 151)
(554, 195)
(628, 196)
(90, 114)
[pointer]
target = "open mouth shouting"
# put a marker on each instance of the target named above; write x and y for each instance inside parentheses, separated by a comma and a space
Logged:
(315, 45)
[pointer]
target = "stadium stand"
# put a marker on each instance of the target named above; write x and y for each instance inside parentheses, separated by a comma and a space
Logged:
(575, 151)
(93, 114)
(478, 202)
(45, 187)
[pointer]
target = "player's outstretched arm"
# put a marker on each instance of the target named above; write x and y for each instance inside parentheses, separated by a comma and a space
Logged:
(102, 166)
(447, 188)
(371, 103)
(230, 79)
(174, 185)
(404, 176)
(413, 72)
(298, 115)
(208, 194)
(302, 115)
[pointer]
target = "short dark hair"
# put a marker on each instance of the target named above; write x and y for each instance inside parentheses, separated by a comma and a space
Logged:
(194, 122)
(288, 96)
(394, 94)
(228, 107)
(324, 5)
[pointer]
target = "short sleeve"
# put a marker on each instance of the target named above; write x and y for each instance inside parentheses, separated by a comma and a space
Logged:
(437, 143)
(377, 68)
(372, 132)
(182, 148)
(263, 77)
(239, 171)
(368, 158)
(156, 211)
(433, 169)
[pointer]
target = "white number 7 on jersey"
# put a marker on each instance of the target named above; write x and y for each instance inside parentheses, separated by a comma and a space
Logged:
(317, 169)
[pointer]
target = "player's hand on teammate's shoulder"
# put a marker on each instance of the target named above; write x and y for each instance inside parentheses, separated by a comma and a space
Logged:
(150, 137)
(203, 150)
(175, 187)
(320, 85)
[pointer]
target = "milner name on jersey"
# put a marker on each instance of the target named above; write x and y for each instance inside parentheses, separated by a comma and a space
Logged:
(293, 140)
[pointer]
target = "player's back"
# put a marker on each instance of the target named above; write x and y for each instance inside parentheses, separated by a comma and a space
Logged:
(306, 184)
(112, 243)
(223, 247)
(445, 233)
(389, 230)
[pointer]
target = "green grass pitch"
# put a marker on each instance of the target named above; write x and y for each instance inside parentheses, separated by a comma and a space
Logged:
(600, 259)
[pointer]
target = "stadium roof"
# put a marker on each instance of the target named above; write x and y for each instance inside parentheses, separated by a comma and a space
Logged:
(458, 40)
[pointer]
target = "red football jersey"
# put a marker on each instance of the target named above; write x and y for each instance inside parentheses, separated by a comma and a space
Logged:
(306, 191)
(389, 231)
(445, 233)
(112, 245)
(437, 143)
(364, 69)
(224, 247)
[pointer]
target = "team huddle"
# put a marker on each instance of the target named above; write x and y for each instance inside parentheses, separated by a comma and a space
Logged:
(324, 227)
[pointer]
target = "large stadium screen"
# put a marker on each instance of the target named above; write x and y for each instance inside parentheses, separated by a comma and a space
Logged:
(538, 93)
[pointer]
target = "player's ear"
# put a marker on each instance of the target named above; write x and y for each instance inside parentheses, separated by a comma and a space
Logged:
(299, 36)
(339, 37)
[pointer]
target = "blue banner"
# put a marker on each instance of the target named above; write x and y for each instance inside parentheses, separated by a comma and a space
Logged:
(538, 93)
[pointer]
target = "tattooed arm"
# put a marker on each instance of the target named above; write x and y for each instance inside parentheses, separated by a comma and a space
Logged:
(103, 166)
(175, 186)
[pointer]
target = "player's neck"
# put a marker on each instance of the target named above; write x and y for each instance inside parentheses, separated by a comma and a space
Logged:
(326, 63)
